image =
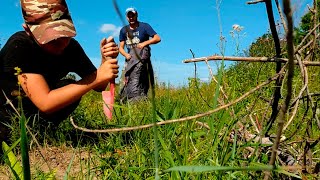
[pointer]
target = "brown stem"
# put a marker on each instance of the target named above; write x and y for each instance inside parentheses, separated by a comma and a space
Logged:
(249, 59)
(284, 108)
(181, 119)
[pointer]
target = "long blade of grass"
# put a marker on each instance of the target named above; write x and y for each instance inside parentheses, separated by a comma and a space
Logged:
(201, 169)
(24, 144)
(12, 160)
(282, 171)
(69, 167)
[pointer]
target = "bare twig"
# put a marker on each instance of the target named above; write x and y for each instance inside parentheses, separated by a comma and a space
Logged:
(196, 81)
(306, 37)
(307, 45)
(256, 1)
(254, 124)
(284, 108)
(281, 16)
(202, 124)
(304, 74)
(277, 89)
(315, 21)
(249, 59)
(181, 119)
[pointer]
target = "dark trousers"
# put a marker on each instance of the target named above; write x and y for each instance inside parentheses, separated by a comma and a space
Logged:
(137, 80)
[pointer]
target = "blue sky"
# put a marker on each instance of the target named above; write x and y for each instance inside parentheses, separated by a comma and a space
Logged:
(181, 24)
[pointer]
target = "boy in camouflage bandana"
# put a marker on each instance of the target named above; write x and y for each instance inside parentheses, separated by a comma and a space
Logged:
(45, 52)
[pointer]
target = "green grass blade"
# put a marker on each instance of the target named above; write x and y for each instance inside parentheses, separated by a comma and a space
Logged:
(12, 161)
(69, 168)
(201, 169)
(24, 146)
(282, 171)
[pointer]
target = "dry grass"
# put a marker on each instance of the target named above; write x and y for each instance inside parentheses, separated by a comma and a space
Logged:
(54, 159)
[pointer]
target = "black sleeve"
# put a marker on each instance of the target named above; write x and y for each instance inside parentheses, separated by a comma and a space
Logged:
(82, 63)
(18, 53)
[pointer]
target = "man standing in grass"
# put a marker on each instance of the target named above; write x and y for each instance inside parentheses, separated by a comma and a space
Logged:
(137, 36)
(35, 62)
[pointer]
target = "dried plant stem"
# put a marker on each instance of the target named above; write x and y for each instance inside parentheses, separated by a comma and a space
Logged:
(306, 37)
(304, 74)
(315, 21)
(281, 16)
(181, 119)
(254, 124)
(216, 81)
(249, 59)
(284, 107)
(256, 1)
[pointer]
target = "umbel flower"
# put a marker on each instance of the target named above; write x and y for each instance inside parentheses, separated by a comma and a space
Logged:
(237, 27)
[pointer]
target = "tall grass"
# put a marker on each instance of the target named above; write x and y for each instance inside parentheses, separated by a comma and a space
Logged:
(186, 150)
(224, 145)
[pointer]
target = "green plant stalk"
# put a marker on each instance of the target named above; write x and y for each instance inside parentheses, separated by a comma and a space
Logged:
(69, 167)
(201, 169)
(12, 161)
(168, 155)
(234, 148)
(155, 128)
(24, 143)
(186, 143)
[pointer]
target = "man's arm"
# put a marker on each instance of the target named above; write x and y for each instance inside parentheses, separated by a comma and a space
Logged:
(154, 40)
(123, 52)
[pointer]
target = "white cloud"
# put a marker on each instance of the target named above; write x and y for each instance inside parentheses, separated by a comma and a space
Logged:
(110, 29)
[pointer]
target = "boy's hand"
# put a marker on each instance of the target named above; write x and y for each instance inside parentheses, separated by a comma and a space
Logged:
(108, 69)
(108, 48)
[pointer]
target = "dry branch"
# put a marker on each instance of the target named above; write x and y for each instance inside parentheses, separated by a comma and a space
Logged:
(181, 119)
(249, 59)
(255, 2)
(306, 37)
(285, 105)
(281, 16)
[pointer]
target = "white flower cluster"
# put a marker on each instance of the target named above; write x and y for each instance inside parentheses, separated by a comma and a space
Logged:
(237, 27)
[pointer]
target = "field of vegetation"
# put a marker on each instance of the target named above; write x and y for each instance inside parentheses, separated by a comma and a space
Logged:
(253, 120)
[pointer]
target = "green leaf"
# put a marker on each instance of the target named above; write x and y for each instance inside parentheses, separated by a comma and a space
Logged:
(219, 168)
(24, 146)
(69, 167)
(12, 161)
(282, 171)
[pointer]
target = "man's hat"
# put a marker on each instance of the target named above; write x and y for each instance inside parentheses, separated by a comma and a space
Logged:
(131, 9)
(47, 19)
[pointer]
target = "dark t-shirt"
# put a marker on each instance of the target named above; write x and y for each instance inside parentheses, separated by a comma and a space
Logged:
(23, 52)
(142, 33)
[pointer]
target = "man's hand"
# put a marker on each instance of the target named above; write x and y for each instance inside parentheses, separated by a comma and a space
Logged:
(141, 45)
(128, 56)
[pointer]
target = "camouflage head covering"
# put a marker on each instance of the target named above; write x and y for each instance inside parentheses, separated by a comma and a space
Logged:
(47, 19)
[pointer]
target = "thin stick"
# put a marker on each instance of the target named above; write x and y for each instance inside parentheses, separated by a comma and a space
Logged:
(255, 2)
(249, 59)
(284, 108)
(305, 38)
(181, 119)
(304, 74)
(281, 16)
